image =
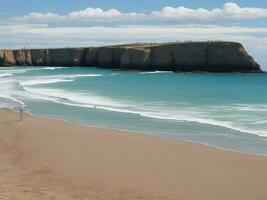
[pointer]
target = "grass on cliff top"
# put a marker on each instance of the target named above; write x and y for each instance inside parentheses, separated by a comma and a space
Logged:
(148, 45)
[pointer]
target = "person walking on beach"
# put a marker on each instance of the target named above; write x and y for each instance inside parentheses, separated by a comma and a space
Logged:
(21, 113)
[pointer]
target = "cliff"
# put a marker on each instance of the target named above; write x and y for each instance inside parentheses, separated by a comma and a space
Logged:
(178, 57)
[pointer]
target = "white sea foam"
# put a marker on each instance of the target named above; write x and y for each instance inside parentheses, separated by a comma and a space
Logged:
(55, 79)
(10, 97)
(53, 68)
(43, 81)
(5, 75)
(114, 74)
(17, 70)
(83, 75)
(81, 98)
(16, 100)
(224, 124)
(261, 122)
(251, 107)
(62, 76)
(100, 102)
(156, 72)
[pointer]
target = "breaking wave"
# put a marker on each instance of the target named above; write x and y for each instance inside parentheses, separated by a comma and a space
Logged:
(104, 103)
(53, 68)
(5, 75)
(42, 82)
(55, 79)
(156, 72)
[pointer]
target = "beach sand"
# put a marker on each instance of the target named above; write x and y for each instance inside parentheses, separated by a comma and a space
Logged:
(50, 159)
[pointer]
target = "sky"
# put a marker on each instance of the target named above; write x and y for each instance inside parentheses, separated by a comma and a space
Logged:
(78, 23)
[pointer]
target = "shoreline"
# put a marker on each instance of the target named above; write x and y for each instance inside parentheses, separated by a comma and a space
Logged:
(142, 133)
(149, 134)
(50, 159)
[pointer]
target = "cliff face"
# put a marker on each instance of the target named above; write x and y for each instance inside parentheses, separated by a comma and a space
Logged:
(184, 57)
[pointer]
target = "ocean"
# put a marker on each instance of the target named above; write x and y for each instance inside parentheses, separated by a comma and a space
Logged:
(227, 111)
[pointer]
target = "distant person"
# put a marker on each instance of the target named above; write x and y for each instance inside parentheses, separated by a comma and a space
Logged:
(21, 113)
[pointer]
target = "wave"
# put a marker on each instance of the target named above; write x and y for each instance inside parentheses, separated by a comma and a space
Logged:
(55, 79)
(88, 99)
(16, 100)
(228, 125)
(53, 68)
(104, 103)
(42, 82)
(246, 107)
(62, 76)
(17, 70)
(185, 118)
(5, 75)
(114, 74)
(83, 75)
(5, 96)
(156, 72)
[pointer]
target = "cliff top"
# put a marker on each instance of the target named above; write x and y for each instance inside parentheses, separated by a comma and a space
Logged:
(141, 45)
(148, 45)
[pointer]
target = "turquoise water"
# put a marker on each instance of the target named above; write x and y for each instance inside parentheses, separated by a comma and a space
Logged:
(223, 110)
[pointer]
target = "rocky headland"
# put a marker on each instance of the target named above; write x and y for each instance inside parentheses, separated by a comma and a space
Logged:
(177, 57)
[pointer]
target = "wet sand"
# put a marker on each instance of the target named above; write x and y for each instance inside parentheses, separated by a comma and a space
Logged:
(50, 159)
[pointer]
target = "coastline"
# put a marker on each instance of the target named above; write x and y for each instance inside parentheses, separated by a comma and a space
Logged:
(61, 100)
(43, 158)
(139, 133)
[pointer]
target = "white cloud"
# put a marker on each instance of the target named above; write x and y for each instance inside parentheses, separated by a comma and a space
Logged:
(88, 14)
(88, 36)
(230, 12)
(36, 17)
(99, 14)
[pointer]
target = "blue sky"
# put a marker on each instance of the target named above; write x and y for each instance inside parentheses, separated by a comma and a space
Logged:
(17, 7)
(59, 23)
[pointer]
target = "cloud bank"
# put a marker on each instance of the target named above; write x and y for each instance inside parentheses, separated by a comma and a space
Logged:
(230, 12)
(89, 14)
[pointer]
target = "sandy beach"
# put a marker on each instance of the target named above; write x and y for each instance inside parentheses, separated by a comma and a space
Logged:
(50, 159)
